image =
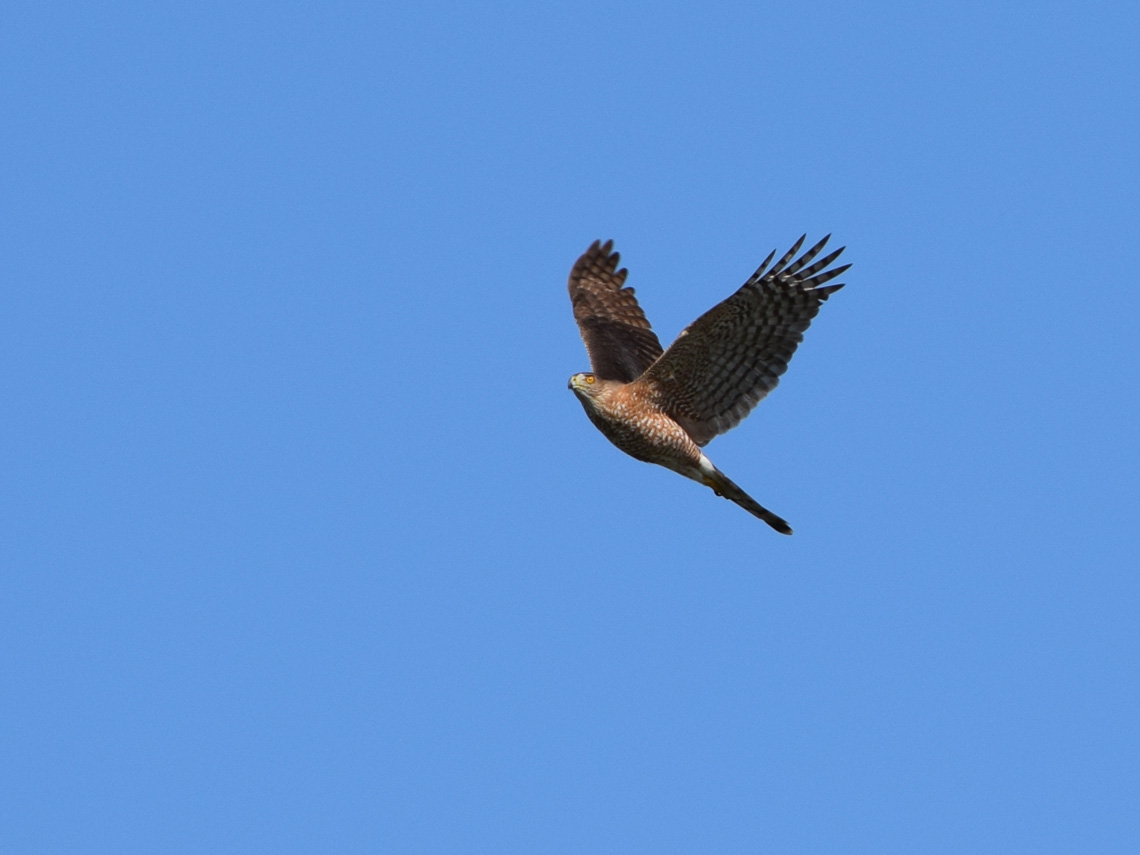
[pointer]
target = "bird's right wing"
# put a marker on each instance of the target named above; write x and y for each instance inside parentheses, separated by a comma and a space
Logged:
(730, 357)
(618, 338)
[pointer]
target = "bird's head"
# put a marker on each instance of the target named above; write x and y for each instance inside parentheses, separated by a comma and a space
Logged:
(586, 386)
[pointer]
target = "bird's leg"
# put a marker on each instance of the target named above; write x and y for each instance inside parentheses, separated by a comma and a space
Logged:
(709, 482)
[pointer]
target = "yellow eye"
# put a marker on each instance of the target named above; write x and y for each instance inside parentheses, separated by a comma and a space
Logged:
(590, 378)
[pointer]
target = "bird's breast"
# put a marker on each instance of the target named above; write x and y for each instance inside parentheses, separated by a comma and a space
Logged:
(633, 423)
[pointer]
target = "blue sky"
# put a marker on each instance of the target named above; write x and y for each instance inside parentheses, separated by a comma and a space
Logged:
(306, 547)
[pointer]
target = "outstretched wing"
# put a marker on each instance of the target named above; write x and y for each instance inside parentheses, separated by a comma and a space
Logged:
(729, 358)
(618, 338)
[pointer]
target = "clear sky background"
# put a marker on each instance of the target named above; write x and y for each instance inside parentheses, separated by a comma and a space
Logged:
(306, 547)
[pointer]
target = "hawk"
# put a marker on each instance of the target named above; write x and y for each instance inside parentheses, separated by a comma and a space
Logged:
(663, 406)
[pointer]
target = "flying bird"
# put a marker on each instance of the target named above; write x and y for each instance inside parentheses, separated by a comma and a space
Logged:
(663, 406)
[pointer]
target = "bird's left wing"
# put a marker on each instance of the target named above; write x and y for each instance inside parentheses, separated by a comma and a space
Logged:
(618, 338)
(729, 358)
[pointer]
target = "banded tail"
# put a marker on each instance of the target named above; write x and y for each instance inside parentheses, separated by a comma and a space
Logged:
(722, 485)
